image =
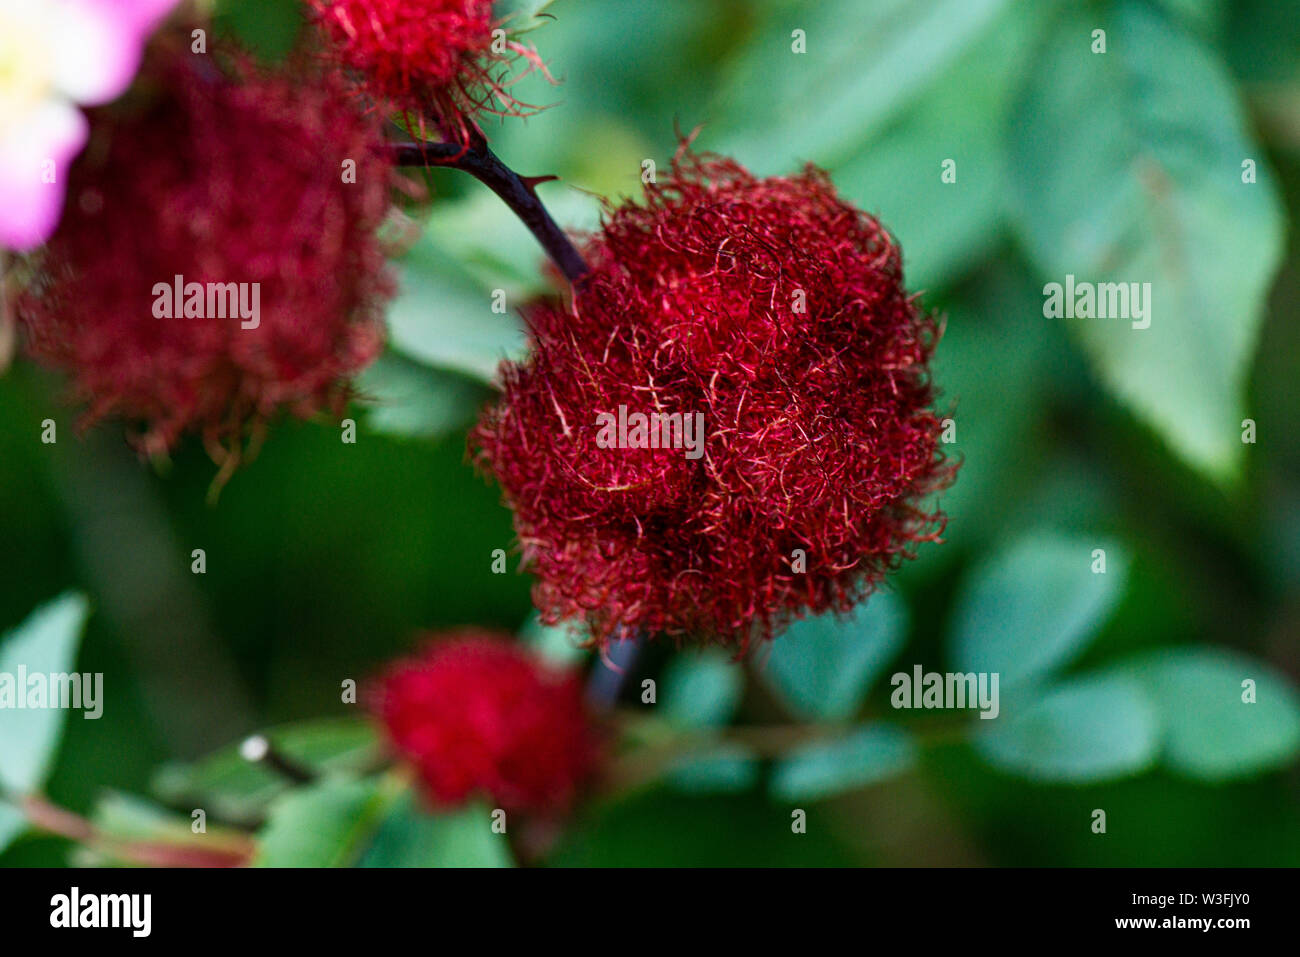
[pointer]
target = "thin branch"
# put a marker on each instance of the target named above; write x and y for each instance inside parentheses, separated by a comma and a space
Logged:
(517, 192)
(228, 851)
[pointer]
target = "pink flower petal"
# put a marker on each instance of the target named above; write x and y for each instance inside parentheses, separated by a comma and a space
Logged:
(29, 206)
(142, 15)
(99, 45)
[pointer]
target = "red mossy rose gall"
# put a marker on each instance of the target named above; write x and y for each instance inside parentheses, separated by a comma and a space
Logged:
(228, 178)
(477, 715)
(427, 59)
(777, 311)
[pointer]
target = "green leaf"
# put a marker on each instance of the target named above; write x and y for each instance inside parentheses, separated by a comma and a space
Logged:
(126, 820)
(1204, 16)
(863, 64)
(407, 399)
(1210, 732)
(723, 769)
(997, 441)
(12, 823)
(45, 644)
(619, 99)
(321, 824)
(134, 818)
(947, 227)
(267, 27)
(1033, 607)
(1129, 169)
(867, 756)
(412, 836)
(230, 787)
(702, 689)
(823, 667)
(522, 16)
(444, 319)
(1092, 728)
(483, 238)
(553, 643)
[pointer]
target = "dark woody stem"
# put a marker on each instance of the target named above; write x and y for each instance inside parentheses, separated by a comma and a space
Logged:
(258, 750)
(517, 192)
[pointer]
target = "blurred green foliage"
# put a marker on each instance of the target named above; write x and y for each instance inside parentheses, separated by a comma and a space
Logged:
(324, 560)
